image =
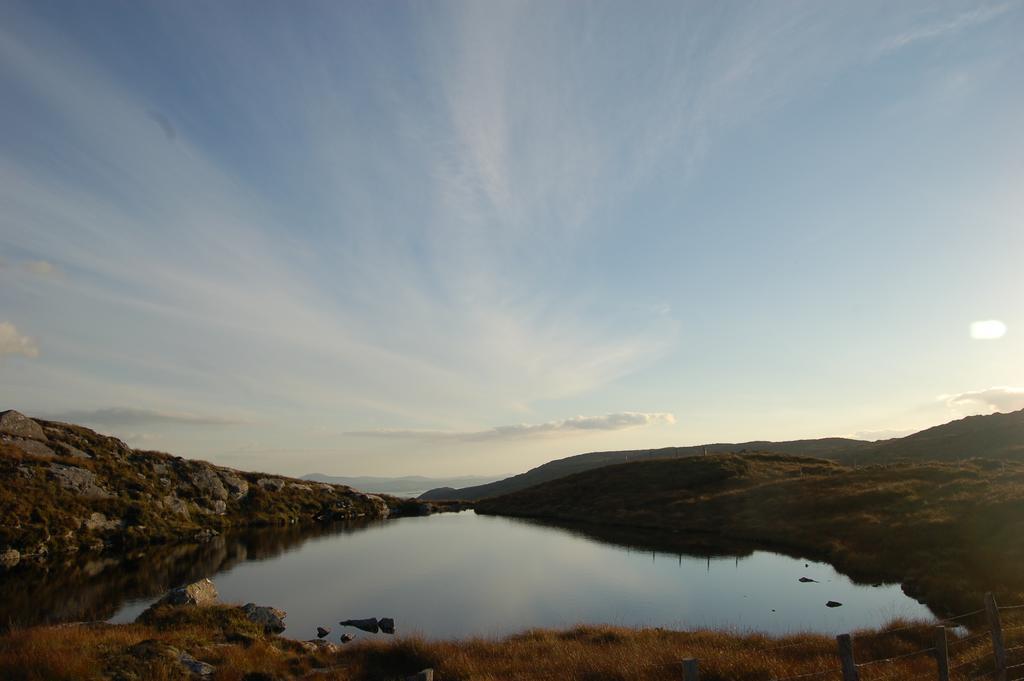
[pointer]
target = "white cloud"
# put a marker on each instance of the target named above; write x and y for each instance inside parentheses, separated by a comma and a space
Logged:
(974, 17)
(127, 416)
(12, 342)
(886, 434)
(576, 424)
(986, 401)
(988, 329)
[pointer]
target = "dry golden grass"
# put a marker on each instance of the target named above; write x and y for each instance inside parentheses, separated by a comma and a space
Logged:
(220, 637)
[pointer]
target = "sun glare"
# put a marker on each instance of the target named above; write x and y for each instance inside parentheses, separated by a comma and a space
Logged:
(988, 329)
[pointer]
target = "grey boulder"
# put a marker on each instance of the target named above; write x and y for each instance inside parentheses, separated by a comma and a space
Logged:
(17, 424)
(199, 594)
(270, 618)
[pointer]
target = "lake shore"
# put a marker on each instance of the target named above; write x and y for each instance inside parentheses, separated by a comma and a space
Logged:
(227, 643)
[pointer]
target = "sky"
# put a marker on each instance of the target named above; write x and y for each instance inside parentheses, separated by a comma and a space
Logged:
(446, 238)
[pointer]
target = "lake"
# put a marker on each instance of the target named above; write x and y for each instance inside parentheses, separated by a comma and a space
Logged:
(462, 574)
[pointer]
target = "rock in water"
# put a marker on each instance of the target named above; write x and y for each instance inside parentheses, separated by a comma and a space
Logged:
(272, 619)
(805, 580)
(387, 625)
(345, 638)
(17, 424)
(370, 624)
(833, 604)
(321, 632)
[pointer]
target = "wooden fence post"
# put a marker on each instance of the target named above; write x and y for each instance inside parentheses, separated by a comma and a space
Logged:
(690, 669)
(424, 675)
(992, 613)
(846, 658)
(942, 652)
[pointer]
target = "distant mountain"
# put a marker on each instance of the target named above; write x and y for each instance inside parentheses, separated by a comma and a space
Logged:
(408, 483)
(831, 448)
(992, 436)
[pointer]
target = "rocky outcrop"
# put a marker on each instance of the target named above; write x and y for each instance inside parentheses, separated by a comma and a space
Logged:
(206, 480)
(272, 484)
(80, 481)
(32, 447)
(100, 522)
(237, 486)
(16, 424)
(271, 619)
(175, 505)
(378, 503)
(55, 478)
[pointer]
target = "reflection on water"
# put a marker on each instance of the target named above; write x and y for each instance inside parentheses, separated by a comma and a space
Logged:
(462, 575)
(96, 587)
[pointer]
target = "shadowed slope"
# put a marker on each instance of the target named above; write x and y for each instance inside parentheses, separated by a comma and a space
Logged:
(947, 532)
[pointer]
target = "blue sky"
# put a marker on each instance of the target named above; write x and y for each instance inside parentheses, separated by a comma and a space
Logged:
(433, 238)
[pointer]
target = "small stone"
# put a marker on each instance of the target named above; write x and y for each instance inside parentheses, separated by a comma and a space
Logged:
(10, 558)
(833, 604)
(805, 580)
(205, 534)
(387, 625)
(198, 668)
(322, 632)
(345, 638)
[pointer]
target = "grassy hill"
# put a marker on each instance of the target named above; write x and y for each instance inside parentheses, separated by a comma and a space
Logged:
(948, 532)
(995, 436)
(825, 447)
(65, 488)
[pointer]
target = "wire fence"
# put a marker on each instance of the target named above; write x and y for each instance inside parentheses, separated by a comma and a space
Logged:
(977, 655)
(952, 656)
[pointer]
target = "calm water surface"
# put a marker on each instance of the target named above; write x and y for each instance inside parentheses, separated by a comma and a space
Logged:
(457, 575)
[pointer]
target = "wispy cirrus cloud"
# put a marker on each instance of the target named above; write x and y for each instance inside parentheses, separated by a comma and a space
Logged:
(948, 26)
(574, 425)
(127, 416)
(986, 401)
